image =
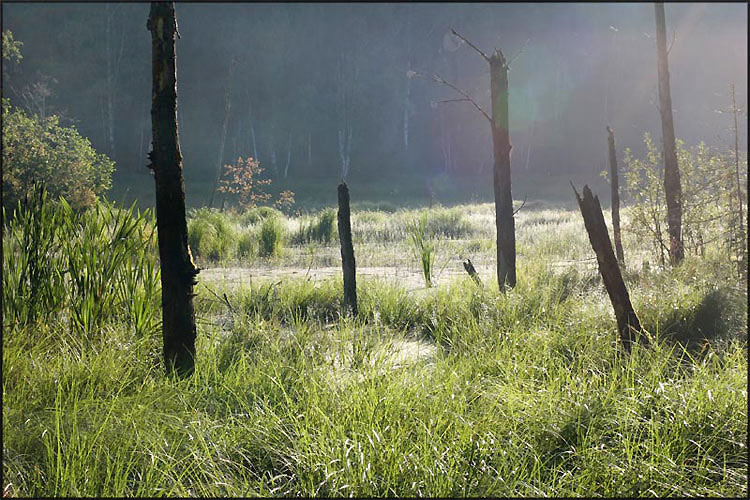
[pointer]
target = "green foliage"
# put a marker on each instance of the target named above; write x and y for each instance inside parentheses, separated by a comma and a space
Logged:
(38, 150)
(90, 267)
(247, 243)
(211, 235)
(272, 232)
(11, 48)
(447, 223)
(257, 214)
(422, 246)
(322, 228)
(322, 405)
(448, 391)
(32, 273)
(709, 207)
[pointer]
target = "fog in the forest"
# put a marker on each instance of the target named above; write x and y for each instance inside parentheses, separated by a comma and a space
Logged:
(309, 89)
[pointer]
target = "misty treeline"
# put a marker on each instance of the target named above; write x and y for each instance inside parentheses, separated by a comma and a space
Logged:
(321, 90)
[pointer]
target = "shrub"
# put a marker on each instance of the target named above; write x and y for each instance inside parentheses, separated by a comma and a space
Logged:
(37, 150)
(708, 202)
(242, 180)
(271, 237)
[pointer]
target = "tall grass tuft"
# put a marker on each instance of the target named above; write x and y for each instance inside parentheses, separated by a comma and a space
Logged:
(422, 246)
(271, 237)
(321, 229)
(211, 235)
(32, 277)
(88, 266)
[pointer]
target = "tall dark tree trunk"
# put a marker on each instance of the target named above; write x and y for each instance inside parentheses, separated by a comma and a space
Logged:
(506, 233)
(627, 321)
(177, 269)
(615, 184)
(672, 188)
(347, 251)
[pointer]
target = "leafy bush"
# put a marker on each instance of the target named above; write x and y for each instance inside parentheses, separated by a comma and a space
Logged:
(322, 228)
(708, 200)
(271, 237)
(41, 151)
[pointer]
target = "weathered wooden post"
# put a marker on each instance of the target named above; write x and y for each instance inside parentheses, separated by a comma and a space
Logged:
(672, 186)
(627, 321)
(615, 184)
(177, 269)
(347, 251)
(506, 231)
(473, 273)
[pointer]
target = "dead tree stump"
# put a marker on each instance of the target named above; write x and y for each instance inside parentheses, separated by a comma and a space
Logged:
(473, 273)
(347, 251)
(627, 321)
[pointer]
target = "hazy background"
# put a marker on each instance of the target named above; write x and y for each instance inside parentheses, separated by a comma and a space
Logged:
(303, 73)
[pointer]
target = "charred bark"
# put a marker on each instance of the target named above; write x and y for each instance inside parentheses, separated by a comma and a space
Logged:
(473, 273)
(615, 185)
(628, 325)
(177, 269)
(506, 233)
(672, 188)
(347, 251)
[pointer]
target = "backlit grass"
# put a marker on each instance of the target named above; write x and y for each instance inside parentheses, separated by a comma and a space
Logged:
(449, 391)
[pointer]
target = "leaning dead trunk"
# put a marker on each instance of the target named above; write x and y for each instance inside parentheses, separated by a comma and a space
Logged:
(347, 251)
(615, 184)
(473, 273)
(177, 269)
(627, 322)
(506, 233)
(672, 188)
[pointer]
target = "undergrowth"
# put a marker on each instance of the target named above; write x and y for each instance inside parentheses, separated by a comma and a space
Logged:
(453, 391)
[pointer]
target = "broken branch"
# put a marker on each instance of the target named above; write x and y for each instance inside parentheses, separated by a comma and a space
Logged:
(455, 33)
(439, 79)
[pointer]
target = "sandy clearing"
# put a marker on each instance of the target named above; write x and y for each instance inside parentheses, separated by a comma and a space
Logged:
(411, 279)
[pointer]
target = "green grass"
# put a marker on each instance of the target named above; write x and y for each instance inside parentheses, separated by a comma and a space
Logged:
(519, 394)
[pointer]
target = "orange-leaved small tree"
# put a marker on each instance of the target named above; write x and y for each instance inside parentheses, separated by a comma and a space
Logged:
(243, 181)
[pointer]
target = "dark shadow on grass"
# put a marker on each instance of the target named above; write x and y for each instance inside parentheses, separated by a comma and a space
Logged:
(720, 315)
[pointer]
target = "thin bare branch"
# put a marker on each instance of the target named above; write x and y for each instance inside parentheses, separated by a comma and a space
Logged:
(522, 204)
(439, 79)
(455, 33)
(520, 51)
(463, 99)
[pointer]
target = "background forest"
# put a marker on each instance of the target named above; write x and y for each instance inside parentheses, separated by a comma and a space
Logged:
(284, 82)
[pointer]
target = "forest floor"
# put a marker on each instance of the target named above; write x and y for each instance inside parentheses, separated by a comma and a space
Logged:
(451, 390)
